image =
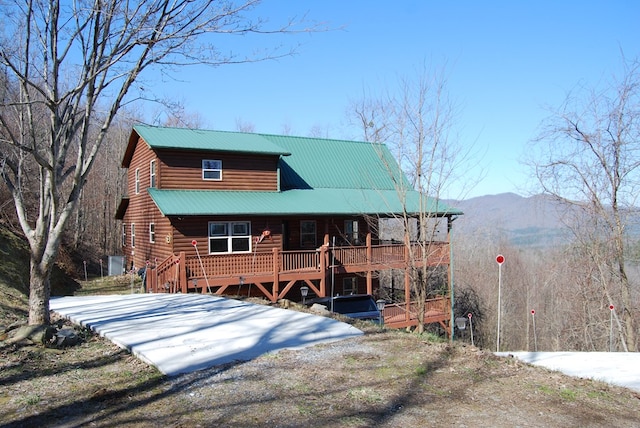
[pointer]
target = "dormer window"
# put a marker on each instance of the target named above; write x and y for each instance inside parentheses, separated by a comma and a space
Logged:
(211, 169)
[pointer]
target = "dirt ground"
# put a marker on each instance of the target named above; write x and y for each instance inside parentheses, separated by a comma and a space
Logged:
(381, 379)
(385, 378)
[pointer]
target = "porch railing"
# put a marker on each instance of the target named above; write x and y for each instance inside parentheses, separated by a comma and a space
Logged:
(403, 314)
(177, 271)
(435, 253)
(296, 261)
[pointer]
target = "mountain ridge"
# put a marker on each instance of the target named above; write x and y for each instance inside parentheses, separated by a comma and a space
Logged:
(533, 221)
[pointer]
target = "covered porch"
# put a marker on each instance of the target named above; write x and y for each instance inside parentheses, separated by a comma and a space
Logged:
(280, 274)
(275, 273)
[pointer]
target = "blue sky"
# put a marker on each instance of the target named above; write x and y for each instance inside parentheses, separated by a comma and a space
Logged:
(506, 63)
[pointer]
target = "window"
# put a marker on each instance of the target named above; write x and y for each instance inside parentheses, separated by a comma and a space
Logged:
(133, 235)
(351, 232)
(230, 237)
(137, 180)
(308, 233)
(349, 286)
(211, 169)
(152, 173)
(124, 234)
(152, 232)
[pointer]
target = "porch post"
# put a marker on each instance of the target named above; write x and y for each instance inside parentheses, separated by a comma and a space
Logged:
(183, 272)
(369, 256)
(323, 267)
(152, 279)
(276, 275)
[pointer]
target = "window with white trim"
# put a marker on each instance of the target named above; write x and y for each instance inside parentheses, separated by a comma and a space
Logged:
(133, 235)
(349, 286)
(152, 173)
(137, 182)
(211, 169)
(124, 234)
(152, 233)
(308, 233)
(229, 237)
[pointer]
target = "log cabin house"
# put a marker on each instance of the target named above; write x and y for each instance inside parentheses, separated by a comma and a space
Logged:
(257, 214)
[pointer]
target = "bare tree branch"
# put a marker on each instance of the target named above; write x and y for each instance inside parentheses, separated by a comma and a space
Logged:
(73, 66)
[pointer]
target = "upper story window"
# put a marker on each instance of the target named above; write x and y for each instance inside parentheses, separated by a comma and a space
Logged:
(152, 233)
(230, 237)
(211, 169)
(137, 180)
(308, 233)
(152, 173)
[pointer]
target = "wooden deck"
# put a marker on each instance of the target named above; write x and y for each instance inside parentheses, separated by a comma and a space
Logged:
(401, 315)
(215, 273)
(276, 273)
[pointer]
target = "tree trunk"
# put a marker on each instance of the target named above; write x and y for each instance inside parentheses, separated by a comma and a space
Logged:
(40, 291)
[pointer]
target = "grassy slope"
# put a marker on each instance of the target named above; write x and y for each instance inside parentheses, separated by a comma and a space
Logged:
(14, 278)
(386, 378)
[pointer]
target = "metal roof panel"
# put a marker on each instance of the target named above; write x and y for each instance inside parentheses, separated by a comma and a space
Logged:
(292, 202)
(198, 139)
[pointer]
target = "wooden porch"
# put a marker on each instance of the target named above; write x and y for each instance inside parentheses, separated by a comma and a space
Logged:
(276, 273)
(402, 315)
(216, 273)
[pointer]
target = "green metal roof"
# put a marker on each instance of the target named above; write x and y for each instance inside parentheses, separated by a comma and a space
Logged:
(309, 162)
(317, 176)
(197, 139)
(337, 164)
(321, 201)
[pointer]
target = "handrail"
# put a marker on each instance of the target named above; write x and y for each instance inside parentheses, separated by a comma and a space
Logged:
(165, 277)
(296, 261)
(257, 263)
(395, 313)
(169, 275)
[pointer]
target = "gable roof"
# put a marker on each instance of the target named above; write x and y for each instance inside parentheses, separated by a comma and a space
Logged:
(317, 176)
(337, 164)
(199, 139)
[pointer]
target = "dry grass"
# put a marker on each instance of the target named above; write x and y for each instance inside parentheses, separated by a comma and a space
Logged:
(382, 379)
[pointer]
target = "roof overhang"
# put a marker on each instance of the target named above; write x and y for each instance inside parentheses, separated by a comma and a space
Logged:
(383, 203)
(122, 208)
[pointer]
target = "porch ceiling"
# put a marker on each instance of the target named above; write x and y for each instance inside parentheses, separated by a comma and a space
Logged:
(292, 202)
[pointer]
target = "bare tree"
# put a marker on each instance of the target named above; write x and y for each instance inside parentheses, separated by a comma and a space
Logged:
(245, 126)
(416, 121)
(177, 115)
(94, 226)
(74, 65)
(588, 156)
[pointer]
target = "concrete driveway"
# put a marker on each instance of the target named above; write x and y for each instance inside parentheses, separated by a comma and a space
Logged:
(180, 333)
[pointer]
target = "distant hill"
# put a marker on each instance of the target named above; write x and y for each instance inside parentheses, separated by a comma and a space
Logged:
(534, 221)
